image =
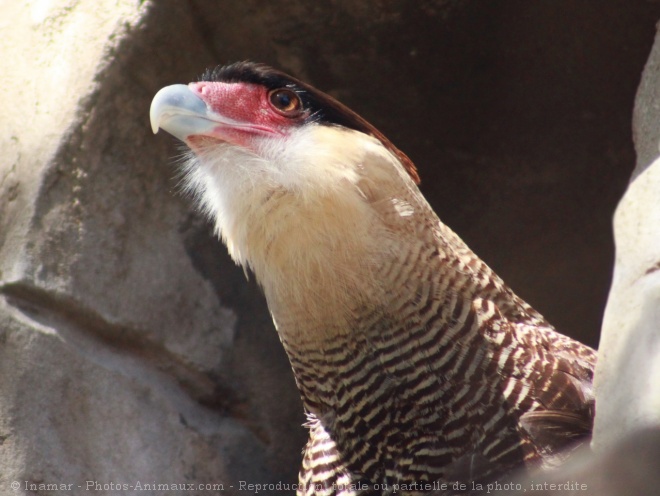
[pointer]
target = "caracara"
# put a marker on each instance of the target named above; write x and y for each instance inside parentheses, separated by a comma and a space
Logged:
(418, 367)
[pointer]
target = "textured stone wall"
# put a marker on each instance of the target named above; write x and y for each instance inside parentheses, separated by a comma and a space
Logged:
(628, 374)
(131, 348)
(121, 359)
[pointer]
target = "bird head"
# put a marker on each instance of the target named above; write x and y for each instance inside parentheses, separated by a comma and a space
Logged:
(255, 107)
(272, 159)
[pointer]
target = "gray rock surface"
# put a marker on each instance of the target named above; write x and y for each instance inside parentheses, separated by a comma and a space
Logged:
(122, 360)
(629, 467)
(131, 348)
(628, 373)
(646, 132)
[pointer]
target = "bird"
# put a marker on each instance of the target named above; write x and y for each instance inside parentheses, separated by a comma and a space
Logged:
(420, 371)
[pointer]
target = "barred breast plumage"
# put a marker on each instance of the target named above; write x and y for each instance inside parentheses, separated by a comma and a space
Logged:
(447, 377)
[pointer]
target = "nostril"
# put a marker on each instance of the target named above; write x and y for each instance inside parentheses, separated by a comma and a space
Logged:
(201, 88)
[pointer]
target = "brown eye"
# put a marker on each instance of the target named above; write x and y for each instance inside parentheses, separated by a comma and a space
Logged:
(286, 101)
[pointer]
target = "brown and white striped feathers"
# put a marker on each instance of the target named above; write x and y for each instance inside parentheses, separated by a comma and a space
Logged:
(416, 364)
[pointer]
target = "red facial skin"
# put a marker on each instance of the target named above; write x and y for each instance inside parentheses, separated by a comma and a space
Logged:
(248, 107)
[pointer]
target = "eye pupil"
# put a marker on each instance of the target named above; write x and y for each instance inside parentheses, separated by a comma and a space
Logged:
(285, 100)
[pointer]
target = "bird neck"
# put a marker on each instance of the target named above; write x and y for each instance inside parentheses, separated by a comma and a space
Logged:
(375, 284)
(320, 270)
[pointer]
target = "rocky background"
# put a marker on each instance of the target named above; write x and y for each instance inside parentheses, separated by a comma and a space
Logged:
(133, 350)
